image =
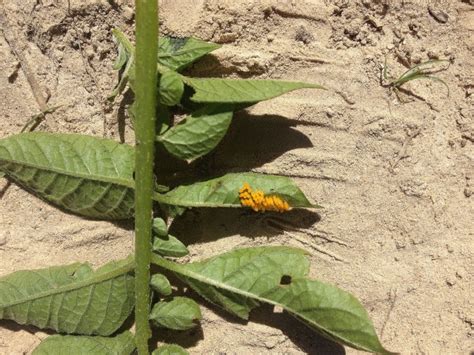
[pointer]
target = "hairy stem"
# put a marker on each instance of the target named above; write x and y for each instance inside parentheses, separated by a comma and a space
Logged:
(146, 54)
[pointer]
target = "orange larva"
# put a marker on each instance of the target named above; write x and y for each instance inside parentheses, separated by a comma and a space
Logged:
(259, 202)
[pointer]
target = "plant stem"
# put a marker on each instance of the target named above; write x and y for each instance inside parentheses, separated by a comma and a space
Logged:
(146, 54)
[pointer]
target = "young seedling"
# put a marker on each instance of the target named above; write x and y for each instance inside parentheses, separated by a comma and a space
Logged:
(103, 179)
(420, 71)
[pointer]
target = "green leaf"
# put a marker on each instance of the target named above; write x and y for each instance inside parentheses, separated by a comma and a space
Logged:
(180, 313)
(70, 299)
(122, 344)
(125, 49)
(159, 227)
(171, 210)
(171, 88)
(174, 53)
(125, 61)
(224, 191)
(170, 349)
(169, 246)
(89, 176)
(197, 135)
(163, 118)
(241, 90)
(241, 279)
(235, 280)
(161, 284)
(178, 53)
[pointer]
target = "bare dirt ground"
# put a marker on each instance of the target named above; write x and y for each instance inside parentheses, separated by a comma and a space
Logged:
(396, 178)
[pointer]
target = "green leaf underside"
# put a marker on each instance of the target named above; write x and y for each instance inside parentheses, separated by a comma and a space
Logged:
(125, 60)
(170, 349)
(159, 227)
(89, 176)
(70, 299)
(197, 135)
(224, 191)
(122, 344)
(169, 246)
(171, 88)
(239, 280)
(178, 53)
(161, 284)
(241, 90)
(122, 57)
(181, 313)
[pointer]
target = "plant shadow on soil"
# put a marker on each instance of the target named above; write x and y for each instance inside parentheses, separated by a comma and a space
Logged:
(209, 224)
(251, 141)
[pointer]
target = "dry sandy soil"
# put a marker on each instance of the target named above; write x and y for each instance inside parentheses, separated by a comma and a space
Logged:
(396, 177)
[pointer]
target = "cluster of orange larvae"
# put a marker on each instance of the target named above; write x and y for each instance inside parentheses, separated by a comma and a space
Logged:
(261, 203)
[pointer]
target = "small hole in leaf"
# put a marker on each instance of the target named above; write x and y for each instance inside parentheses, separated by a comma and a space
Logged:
(285, 280)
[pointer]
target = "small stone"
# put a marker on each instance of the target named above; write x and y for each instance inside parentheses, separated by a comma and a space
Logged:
(450, 281)
(267, 11)
(128, 13)
(3, 239)
(416, 59)
(414, 27)
(400, 244)
(227, 38)
(302, 35)
(432, 55)
(90, 53)
(270, 38)
(467, 192)
(438, 15)
(330, 112)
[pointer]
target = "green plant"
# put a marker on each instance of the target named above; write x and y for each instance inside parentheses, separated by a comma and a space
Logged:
(420, 71)
(102, 179)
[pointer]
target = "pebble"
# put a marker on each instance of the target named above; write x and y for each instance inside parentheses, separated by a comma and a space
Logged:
(450, 281)
(3, 239)
(227, 38)
(467, 192)
(438, 15)
(128, 13)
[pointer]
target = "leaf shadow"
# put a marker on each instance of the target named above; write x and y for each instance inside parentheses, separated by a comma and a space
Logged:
(185, 338)
(300, 334)
(254, 140)
(15, 327)
(209, 224)
(249, 143)
(125, 102)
